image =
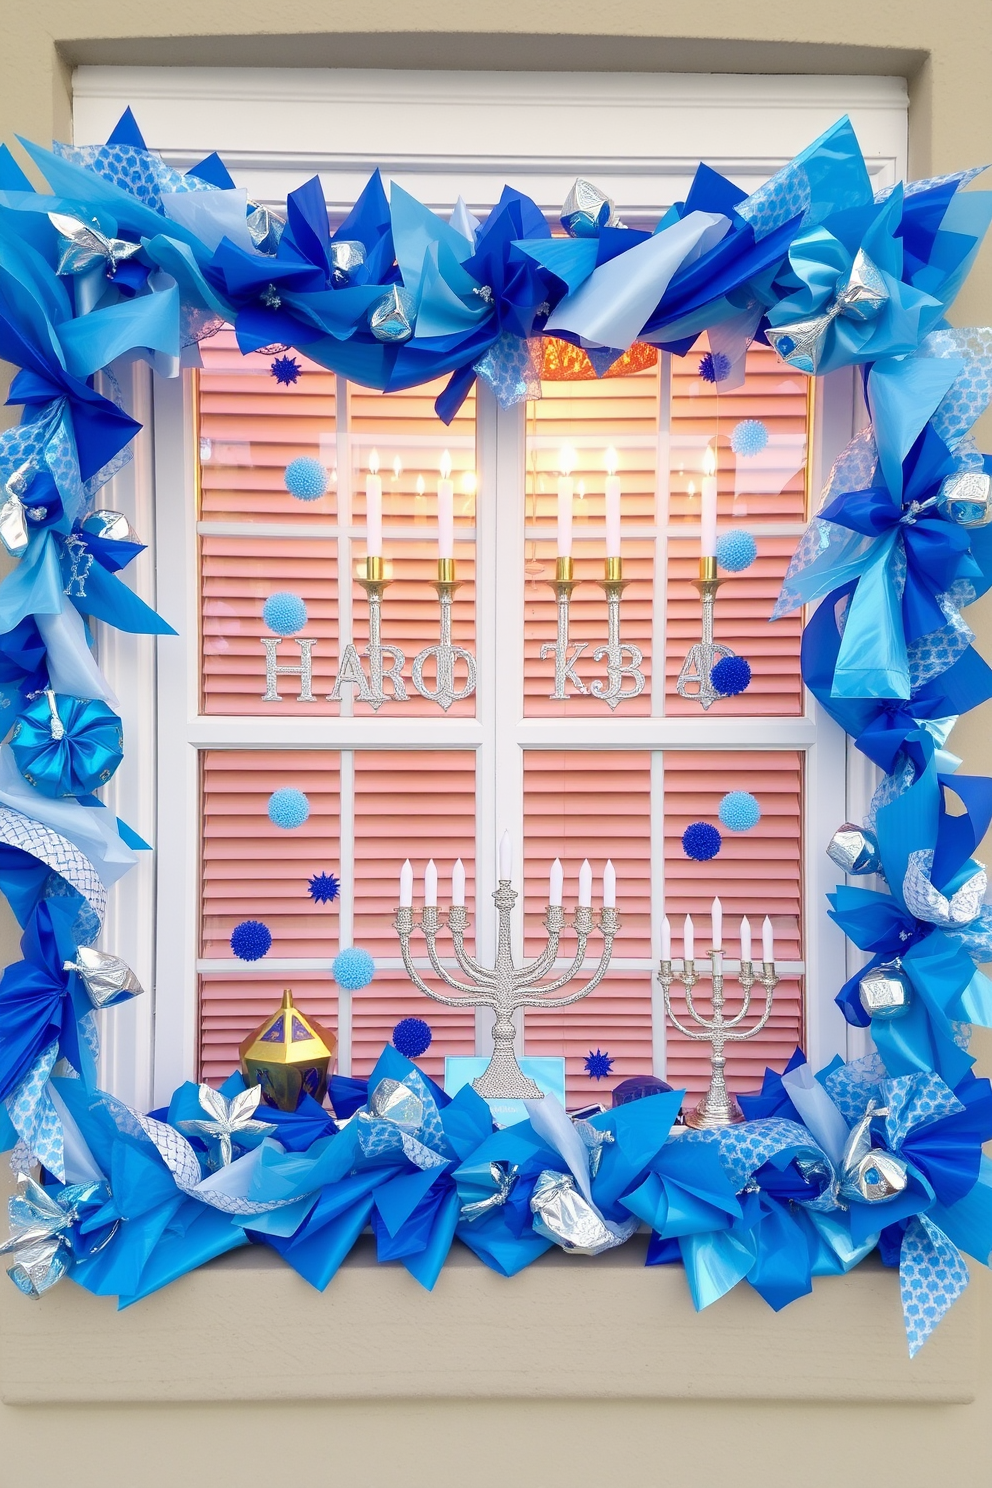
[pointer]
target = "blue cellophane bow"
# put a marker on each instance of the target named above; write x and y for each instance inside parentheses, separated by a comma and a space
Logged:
(37, 1007)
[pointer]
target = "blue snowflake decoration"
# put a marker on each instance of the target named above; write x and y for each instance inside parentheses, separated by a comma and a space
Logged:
(412, 1036)
(701, 841)
(286, 370)
(731, 675)
(353, 968)
(251, 940)
(714, 366)
(288, 808)
(598, 1065)
(748, 438)
(324, 888)
(284, 613)
(736, 550)
(305, 478)
(739, 811)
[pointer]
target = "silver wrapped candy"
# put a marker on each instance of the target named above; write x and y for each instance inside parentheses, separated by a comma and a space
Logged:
(861, 297)
(392, 317)
(867, 1173)
(112, 525)
(392, 1101)
(586, 209)
(886, 991)
(40, 1224)
(563, 1215)
(504, 1176)
(854, 850)
(107, 978)
(265, 227)
(966, 498)
(346, 256)
(82, 246)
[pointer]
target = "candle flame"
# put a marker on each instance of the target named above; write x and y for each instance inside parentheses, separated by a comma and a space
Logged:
(709, 461)
(611, 461)
(468, 482)
(692, 488)
(397, 468)
(420, 485)
(445, 466)
(374, 461)
(581, 490)
(566, 460)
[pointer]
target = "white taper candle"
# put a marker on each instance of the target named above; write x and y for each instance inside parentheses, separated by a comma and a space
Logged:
(458, 882)
(585, 884)
(707, 542)
(767, 940)
(556, 883)
(406, 885)
(716, 922)
(745, 939)
(609, 886)
(612, 506)
(566, 489)
(373, 508)
(688, 941)
(445, 510)
(430, 883)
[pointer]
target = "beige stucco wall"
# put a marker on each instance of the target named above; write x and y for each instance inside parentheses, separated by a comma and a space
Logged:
(944, 49)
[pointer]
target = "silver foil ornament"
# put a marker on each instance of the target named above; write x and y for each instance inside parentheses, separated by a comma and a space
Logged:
(40, 1221)
(868, 1174)
(265, 227)
(112, 525)
(594, 1141)
(586, 209)
(885, 991)
(861, 297)
(392, 317)
(14, 533)
(107, 978)
(504, 1176)
(392, 1101)
(854, 850)
(346, 256)
(966, 498)
(82, 246)
(226, 1120)
(563, 1215)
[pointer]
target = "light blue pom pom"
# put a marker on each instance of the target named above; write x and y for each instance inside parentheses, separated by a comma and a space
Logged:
(739, 811)
(353, 968)
(736, 550)
(748, 438)
(288, 808)
(284, 613)
(306, 479)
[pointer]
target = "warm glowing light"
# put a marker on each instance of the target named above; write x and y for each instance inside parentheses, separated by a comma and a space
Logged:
(580, 490)
(566, 460)
(421, 488)
(709, 461)
(692, 488)
(468, 482)
(611, 461)
(374, 461)
(445, 466)
(397, 468)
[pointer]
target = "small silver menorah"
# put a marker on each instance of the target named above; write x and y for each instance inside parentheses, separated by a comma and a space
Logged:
(506, 987)
(718, 1107)
(695, 680)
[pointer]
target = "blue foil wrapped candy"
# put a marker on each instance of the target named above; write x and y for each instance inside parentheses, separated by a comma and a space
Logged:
(67, 746)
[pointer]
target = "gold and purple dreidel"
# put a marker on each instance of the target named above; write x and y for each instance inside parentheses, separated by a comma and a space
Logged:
(289, 1055)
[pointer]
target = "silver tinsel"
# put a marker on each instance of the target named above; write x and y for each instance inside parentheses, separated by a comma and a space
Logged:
(563, 1215)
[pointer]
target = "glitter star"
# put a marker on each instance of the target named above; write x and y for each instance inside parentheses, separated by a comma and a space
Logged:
(598, 1065)
(324, 888)
(271, 297)
(286, 370)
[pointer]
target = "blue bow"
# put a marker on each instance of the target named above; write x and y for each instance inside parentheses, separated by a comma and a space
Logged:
(36, 1005)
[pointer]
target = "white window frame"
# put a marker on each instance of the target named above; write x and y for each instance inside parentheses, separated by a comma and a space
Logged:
(275, 128)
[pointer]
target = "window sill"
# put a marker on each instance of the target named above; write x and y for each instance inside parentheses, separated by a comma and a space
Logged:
(247, 1328)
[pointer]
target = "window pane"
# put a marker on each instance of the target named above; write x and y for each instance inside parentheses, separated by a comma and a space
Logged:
(756, 873)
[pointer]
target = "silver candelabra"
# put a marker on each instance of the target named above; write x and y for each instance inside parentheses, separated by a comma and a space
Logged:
(718, 1107)
(567, 652)
(445, 653)
(505, 987)
(695, 680)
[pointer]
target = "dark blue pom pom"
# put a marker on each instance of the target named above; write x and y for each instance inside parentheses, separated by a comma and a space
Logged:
(412, 1036)
(598, 1065)
(324, 888)
(714, 366)
(250, 940)
(286, 370)
(701, 841)
(731, 675)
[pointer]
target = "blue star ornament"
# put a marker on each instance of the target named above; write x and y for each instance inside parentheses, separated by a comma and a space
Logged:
(324, 888)
(226, 1120)
(286, 370)
(598, 1065)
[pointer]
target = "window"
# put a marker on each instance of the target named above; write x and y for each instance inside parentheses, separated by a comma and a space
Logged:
(567, 777)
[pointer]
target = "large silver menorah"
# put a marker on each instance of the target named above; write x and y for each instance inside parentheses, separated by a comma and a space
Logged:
(505, 987)
(695, 680)
(718, 1107)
